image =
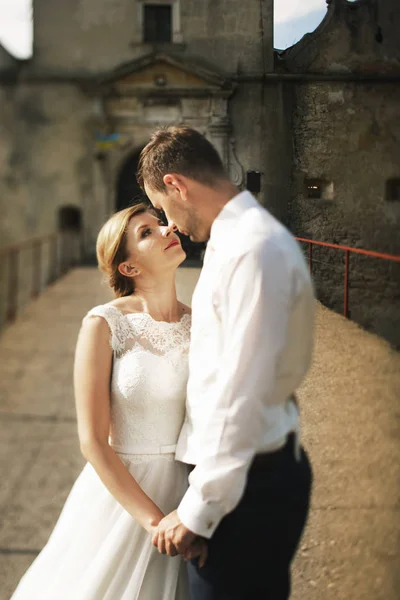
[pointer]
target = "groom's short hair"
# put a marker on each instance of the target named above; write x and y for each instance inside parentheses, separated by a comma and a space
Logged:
(181, 150)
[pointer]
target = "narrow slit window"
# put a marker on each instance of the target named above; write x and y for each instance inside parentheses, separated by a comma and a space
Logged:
(157, 23)
(393, 190)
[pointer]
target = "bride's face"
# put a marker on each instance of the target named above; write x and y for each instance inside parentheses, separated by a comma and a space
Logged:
(152, 246)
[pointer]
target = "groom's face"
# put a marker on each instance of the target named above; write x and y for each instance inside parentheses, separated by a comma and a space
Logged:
(177, 211)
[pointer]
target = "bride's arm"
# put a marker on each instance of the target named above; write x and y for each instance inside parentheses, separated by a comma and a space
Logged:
(92, 373)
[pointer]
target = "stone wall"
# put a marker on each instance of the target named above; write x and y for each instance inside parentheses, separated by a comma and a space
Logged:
(45, 164)
(91, 36)
(233, 35)
(353, 36)
(346, 137)
(83, 36)
(45, 157)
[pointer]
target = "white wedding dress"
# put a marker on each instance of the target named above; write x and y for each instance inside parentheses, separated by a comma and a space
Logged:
(97, 551)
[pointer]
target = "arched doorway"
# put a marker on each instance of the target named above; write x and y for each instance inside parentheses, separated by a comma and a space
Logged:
(128, 189)
(129, 192)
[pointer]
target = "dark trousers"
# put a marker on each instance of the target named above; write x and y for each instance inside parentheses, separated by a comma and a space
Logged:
(251, 550)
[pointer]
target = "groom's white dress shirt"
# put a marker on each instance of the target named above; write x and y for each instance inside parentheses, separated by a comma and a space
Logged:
(251, 345)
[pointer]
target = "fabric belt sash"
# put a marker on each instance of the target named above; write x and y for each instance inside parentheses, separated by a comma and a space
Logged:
(144, 449)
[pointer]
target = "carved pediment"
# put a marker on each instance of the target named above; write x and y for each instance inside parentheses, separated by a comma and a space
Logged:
(160, 73)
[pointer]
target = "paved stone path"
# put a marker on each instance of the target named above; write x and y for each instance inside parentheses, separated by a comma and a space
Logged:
(351, 427)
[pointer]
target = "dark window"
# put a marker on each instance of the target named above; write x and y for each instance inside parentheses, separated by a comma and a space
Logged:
(393, 190)
(314, 188)
(253, 181)
(157, 23)
(319, 189)
(69, 218)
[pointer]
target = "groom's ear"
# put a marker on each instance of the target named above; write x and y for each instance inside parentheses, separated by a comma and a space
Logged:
(176, 183)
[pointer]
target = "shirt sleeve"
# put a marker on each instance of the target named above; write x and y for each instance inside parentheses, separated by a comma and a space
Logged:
(254, 300)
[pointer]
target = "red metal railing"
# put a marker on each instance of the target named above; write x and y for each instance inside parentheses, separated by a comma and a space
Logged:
(347, 250)
(45, 259)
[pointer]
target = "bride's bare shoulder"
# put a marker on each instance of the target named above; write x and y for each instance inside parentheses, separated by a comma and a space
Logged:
(130, 305)
(125, 305)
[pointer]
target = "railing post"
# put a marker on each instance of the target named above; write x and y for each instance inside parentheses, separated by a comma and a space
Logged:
(12, 300)
(58, 255)
(346, 284)
(63, 254)
(37, 270)
(53, 258)
(81, 248)
(70, 249)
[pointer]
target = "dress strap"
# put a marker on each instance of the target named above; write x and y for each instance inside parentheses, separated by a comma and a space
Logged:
(119, 327)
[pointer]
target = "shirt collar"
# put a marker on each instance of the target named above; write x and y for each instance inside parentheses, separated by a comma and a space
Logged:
(232, 210)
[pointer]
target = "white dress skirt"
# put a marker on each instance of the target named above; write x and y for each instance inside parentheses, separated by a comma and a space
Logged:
(97, 551)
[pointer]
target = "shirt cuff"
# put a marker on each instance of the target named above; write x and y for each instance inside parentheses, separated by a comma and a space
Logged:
(200, 517)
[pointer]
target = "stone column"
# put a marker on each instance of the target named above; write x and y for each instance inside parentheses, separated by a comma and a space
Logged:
(219, 127)
(219, 135)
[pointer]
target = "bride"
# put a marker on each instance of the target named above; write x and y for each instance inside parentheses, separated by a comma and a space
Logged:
(130, 379)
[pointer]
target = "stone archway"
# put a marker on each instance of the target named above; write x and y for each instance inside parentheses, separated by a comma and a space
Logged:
(158, 90)
(128, 190)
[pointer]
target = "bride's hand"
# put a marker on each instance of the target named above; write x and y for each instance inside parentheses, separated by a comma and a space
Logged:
(198, 548)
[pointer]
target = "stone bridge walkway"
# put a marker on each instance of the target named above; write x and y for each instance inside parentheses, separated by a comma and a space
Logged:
(351, 427)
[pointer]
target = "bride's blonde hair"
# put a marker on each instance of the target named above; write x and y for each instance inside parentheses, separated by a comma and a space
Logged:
(111, 248)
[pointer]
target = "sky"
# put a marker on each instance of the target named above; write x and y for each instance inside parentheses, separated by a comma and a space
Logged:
(293, 18)
(16, 27)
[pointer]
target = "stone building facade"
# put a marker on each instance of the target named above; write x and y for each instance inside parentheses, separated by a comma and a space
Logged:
(314, 130)
(94, 78)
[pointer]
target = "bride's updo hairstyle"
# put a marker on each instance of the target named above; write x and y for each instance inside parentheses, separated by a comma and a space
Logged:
(111, 248)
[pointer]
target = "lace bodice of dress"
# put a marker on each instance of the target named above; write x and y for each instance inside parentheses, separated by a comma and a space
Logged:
(149, 377)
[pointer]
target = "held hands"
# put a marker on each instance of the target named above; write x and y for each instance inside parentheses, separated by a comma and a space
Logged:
(198, 549)
(172, 537)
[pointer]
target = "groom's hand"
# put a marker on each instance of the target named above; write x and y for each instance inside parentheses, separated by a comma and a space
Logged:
(171, 536)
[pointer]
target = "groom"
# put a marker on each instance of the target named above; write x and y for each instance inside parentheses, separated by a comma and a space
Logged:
(252, 330)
